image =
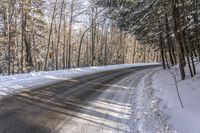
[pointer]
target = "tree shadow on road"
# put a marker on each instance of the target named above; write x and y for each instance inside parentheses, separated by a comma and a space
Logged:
(79, 98)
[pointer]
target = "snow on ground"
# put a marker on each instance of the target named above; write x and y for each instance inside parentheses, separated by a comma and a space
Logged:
(184, 120)
(23, 82)
(124, 105)
(131, 110)
(148, 117)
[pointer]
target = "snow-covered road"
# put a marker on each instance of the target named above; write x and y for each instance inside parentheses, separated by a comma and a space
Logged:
(113, 101)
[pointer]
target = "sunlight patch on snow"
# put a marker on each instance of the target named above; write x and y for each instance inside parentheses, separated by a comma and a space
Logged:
(14, 86)
(109, 85)
(103, 101)
(56, 78)
(3, 93)
(95, 114)
(96, 121)
(113, 107)
(92, 83)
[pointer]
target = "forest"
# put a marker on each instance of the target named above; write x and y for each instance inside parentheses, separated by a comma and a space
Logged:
(172, 25)
(40, 35)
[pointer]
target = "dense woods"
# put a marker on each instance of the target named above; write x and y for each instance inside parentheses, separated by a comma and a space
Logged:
(58, 34)
(172, 25)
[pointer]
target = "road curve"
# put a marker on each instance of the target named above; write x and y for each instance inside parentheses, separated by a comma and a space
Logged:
(99, 102)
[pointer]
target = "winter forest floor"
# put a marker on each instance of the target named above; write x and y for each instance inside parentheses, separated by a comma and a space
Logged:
(187, 119)
(138, 98)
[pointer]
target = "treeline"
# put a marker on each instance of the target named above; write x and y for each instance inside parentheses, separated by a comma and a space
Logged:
(58, 34)
(172, 25)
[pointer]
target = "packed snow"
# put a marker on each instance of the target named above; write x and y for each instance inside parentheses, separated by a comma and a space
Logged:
(184, 120)
(126, 105)
(187, 119)
(24, 82)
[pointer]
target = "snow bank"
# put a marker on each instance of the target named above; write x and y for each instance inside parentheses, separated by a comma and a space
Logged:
(184, 120)
(23, 82)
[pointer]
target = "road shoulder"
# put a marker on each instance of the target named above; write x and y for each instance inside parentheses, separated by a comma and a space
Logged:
(149, 117)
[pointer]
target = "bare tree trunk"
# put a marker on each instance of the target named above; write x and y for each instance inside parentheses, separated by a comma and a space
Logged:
(70, 33)
(22, 40)
(162, 51)
(177, 27)
(64, 45)
(58, 38)
(106, 46)
(80, 45)
(8, 36)
(94, 16)
(49, 36)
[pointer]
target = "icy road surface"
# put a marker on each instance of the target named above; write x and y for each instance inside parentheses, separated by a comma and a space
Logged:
(117, 101)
